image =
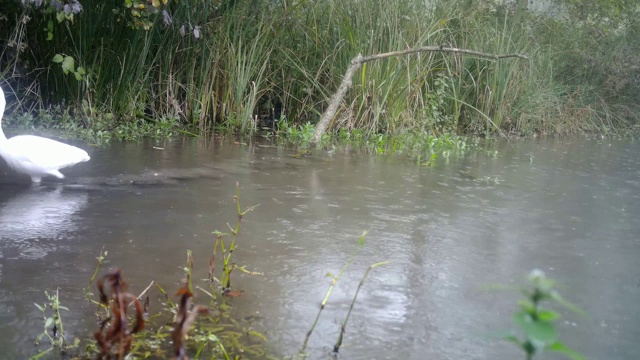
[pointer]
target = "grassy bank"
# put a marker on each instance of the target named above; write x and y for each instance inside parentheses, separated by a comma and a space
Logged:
(121, 69)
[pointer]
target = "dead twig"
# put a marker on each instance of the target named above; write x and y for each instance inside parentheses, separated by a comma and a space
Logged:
(346, 83)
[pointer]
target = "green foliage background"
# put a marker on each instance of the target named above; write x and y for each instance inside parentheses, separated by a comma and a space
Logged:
(125, 66)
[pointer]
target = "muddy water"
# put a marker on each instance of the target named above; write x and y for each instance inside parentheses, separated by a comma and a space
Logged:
(568, 208)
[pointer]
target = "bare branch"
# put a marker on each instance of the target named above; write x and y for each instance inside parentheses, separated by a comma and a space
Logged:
(346, 83)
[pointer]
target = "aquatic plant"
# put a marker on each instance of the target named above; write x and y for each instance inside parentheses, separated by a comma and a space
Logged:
(536, 322)
(334, 281)
(343, 328)
(221, 65)
(114, 338)
(144, 332)
(53, 322)
(300, 135)
(88, 295)
(185, 317)
(228, 266)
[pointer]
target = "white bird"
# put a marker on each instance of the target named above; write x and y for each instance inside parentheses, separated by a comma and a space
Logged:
(37, 156)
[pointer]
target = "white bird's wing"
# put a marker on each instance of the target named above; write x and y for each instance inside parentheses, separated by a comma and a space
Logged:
(45, 153)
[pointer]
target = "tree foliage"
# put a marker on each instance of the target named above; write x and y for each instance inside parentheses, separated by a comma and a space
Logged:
(612, 14)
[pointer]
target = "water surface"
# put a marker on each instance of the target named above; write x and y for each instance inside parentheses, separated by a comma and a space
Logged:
(568, 208)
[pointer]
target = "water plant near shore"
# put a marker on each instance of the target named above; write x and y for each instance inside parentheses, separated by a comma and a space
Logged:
(412, 145)
(115, 338)
(225, 253)
(176, 329)
(343, 327)
(53, 322)
(334, 281)
(215, 335)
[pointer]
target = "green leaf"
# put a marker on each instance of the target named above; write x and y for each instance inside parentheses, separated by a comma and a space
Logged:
(258, 335)
(540, 331)
(361, 239)
(39, 338)
(78, 75)
(548, 315)
(49, 322)
(57, 59)
(60, 16)
(39, 307)
(68, 64)
(41, 354)
(566, 351)
(49, 30)
(526, 305)
(560, 300)
(379, 264)
(81, 71)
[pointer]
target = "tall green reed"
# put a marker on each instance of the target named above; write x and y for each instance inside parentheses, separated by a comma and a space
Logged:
(222, 65)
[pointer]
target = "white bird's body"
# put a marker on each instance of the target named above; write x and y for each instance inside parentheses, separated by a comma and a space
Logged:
(37, 156)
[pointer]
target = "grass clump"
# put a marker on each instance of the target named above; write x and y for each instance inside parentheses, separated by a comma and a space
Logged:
(234, 66)
(413, 145)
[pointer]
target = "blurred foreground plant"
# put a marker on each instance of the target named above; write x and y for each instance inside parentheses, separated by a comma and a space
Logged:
(537, 322)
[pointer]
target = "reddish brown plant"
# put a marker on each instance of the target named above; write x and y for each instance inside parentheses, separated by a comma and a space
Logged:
(114, 338)
(185, 317)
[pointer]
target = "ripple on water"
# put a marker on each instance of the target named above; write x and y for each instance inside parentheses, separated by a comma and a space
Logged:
(446, 231)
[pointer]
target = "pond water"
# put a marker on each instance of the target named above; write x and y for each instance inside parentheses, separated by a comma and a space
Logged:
(570, 208)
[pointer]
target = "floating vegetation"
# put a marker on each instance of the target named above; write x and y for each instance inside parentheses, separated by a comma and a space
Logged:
(497, 179)
(415, 145)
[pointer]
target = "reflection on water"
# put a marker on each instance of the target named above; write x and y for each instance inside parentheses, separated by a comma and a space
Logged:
(35, 220)
(38, 215)
(570, 209)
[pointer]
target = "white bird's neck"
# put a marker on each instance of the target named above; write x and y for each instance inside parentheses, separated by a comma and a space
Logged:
(3, 103)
